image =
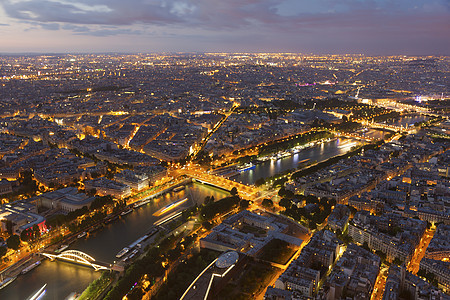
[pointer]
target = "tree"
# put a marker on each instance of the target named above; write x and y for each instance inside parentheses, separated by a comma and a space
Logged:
(219, 207)
(36, 229)
(26, 177)
(13, 242)
(282, 191)
(95, 175)
(366, 246)
(234, 191)
(285, 202)
(267, 203)
(289, 194)
(310, 199)
(207, 225)
(208, 200)
(3, 251)
(260, 181)
(381, 254)
(312, 225)
(244, 204)
(9, 226)
(25, 235)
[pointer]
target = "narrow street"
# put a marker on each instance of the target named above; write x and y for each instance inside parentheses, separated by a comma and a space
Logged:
(419, 253)
(380, 283)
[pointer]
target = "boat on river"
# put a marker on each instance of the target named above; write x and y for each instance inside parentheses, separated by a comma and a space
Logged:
(280, 155)
(62, 248)
(179, 188)
(39, 294)
(246, 167)
(126, 212)
(170, 206)
(30, 267)
(5, 282)
(122, 252)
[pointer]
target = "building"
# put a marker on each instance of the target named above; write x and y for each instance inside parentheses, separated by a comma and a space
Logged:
(440, 269)
(104, 187)
(338, 219)
(304, 273)
(353, 276)
(229, 235)
(439, 247)
(5, 187)
(67, 199)
(136, 181)
(22, 216)
(400, 281)
(277, 294)
(392, 234)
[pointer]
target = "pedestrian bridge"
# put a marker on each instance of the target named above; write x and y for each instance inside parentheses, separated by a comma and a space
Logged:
(78, 257)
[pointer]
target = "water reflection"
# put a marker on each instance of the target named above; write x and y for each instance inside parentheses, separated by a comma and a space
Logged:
(318, 153)
(64, 278)
(408, 120)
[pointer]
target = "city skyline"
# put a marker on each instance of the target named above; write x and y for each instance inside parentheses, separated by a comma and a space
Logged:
(164, 176)
(368, 27)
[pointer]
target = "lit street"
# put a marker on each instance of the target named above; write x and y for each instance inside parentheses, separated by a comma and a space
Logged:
(419, 253)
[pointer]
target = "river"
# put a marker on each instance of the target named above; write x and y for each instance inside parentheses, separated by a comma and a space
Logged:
(63, 278)
(317, 153)
(407, 120)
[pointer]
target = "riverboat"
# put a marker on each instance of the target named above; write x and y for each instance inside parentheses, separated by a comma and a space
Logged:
(62, 248)
(179, 188)
(133, 254)
(280, 155)
(39, 294)
(122, 252)
(139, 204)
(246, 167)
(126, 212)
(170, 206)
(6, 282)
(30, 267)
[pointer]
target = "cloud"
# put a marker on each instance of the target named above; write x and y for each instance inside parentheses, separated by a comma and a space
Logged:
(78, 12)
(100, 31)
(245, 23)
(50, 26)
(213, 14)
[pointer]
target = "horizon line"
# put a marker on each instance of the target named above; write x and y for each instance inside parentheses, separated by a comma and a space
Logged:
(24, 53)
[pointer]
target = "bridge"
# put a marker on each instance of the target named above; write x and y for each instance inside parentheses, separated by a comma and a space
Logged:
(353, 135)
(245, 191)
(387, 126)
(78, 257)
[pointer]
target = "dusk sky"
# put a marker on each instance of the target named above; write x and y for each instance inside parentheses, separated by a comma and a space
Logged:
(374, 27)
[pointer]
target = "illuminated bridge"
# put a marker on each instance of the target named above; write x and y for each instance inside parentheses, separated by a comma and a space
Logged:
(78, 257)
(245, 191)
(387, 126)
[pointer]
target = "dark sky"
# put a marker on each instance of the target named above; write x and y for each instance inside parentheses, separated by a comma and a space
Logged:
(373, 27)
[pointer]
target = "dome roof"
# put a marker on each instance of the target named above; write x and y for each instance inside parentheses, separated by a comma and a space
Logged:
(227, 259)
